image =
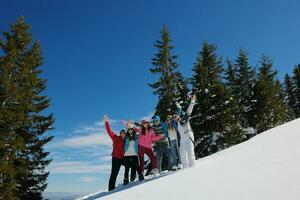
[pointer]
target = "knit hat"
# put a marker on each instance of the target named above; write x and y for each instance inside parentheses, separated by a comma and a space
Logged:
(144, 121)
(129, 126)
(156, 118)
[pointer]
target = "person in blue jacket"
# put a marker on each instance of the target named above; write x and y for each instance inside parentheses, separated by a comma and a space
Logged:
(131, 159)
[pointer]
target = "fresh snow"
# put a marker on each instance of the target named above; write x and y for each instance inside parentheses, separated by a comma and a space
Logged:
(266, 167)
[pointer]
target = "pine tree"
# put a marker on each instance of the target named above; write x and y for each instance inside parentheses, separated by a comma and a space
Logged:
(213, 121)
(296, 82)
(244, 89)
(165, 66)
(231, 79)
(268, 109)
(23, 120)
(231, 83)
(289, 96)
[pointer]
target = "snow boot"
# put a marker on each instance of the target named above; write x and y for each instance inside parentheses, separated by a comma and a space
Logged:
(155, 171)
(141, 177)
(126, 181)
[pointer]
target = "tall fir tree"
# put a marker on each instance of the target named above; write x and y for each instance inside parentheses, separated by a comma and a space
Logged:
(23, 120)
(231, 83)
(268, 109)
(213, 123)
(289, 96)
(296, 82)
(245, 78)
(164, 66)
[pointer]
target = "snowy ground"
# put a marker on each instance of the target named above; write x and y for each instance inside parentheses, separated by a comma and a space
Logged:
(266, 167)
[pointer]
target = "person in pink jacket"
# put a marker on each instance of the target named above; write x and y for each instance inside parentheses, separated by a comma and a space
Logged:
(145, 139)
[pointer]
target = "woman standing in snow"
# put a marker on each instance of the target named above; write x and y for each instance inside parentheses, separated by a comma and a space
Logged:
(131, 159)
(187, 154)
(146, 137)
(174, 140)
(117, 154)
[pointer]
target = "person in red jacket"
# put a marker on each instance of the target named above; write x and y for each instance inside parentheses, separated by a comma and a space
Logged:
(117, 154)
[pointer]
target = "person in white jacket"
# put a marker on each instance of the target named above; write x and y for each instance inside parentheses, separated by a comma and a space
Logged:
(186, 149)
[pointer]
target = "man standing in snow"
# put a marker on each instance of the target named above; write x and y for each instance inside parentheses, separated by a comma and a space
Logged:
(161, 146)
(187, 154)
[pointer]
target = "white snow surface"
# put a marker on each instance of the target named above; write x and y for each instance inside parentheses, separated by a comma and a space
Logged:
(266, 167)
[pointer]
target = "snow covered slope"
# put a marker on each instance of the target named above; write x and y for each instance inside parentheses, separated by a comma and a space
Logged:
(266, 167)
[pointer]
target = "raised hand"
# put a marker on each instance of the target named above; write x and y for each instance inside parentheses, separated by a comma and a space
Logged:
(105, 118)
(194, 97)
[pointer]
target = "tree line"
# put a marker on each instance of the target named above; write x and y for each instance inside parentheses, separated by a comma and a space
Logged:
(234, 99)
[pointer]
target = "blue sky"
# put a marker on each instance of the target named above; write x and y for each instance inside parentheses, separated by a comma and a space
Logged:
(97, 55)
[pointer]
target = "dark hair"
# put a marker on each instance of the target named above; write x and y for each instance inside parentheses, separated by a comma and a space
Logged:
(129, 136)
(122, 131)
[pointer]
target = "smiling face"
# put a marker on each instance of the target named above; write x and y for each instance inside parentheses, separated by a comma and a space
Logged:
(156, 122)
(122, 134)
(176, 117)
(130, 130)
(145, 124)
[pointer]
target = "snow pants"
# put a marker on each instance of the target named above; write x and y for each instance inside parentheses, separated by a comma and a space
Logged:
(187, 154)
(133, 163)
(115, 168)
(150, 154)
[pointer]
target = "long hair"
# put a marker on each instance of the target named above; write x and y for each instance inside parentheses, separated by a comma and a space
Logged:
(143, 130)
(170, 126)
(131, 137)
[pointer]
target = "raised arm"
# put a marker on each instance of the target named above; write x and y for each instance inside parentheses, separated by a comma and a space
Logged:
(179, 108)
(110, 132)
(154, 137)
(191, 106)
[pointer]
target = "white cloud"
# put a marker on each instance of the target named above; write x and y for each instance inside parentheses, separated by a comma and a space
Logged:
(85, 136)
(88, 179)
(96, 127)
(91, 140)
(105, 158)
(75, 167)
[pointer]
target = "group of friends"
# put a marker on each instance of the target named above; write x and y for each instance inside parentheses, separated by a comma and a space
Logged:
(172, 139)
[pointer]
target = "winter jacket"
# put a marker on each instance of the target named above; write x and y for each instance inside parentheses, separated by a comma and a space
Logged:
(184, 126)
(174, 124)
(118, 143)
(162, 128)
(136, 147)
(147, 139)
